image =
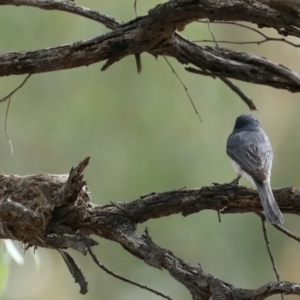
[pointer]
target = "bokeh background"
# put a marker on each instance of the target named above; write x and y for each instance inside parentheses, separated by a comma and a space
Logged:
(143, 136)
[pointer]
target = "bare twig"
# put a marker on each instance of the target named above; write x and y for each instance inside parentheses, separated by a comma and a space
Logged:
(264, 228)
(250, 42)
(66, 6)
(185, 88)
(138, 63)
(15, 90)
(240, 93)
(134, 5)
(5, 98)
(6, 129)
(287, 232)
(283, 71)
(230, 84)
(207, 21)
(266, 38)
(75, 271)
(100, 265)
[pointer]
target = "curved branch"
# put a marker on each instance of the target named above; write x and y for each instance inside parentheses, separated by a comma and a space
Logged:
(66, 6)
(154, 34)
(54, 211)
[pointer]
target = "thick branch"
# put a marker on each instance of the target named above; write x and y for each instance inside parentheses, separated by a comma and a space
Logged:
(155, 34)
(54, 211)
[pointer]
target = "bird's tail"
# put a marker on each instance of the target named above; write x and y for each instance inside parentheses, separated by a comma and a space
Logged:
(271, 209)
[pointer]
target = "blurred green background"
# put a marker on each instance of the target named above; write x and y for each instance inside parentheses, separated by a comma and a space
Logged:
(143, 136)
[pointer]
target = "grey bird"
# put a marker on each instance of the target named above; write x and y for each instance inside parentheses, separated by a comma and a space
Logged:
(251, 156)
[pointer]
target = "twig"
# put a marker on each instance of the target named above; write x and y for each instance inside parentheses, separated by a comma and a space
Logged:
(8, 97)
(250, 42)
(70, 7)
(264, 228)
(229, 83)
(219, 216)
(269, 65)
(134, 5)
(287, 232)
(240, 93)
(138, 63)
(266, 38)
(16, 89)
(100, 265)
(6, 129)
(75, 271)
(207, 21)
(185, 88)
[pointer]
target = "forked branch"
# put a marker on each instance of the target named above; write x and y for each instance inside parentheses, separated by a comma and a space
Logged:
(55, 211)
(149, 34)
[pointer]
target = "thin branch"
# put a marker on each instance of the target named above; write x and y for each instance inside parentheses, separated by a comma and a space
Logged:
(134, 5)
(264, 228)
(75, 271)
(263, 220)
(6, 127)
(15, 90)
(283, 71)
(265, 232)
(207, 21)
(266, 38)
(67, 6)
(240, 93)
(138, 63)
(5, 98)
(286, 232)
(249, 43)
(185, 88)
(237, 24)
(100, 265)
(230, 84)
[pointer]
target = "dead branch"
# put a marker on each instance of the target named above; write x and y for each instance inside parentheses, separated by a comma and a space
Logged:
(100, 265)
(240, 93)
(151, 34)
(55, 211)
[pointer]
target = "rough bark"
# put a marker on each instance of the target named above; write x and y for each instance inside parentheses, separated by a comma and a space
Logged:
(55, 211)
(156, 34)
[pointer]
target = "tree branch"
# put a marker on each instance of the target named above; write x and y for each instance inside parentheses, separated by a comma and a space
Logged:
(155, 34)
(54, 211)
(66, 6)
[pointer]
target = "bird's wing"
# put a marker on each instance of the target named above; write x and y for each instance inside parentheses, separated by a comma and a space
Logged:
(253, 152)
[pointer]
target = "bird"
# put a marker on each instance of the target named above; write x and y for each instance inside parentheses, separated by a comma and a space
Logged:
(251, 156)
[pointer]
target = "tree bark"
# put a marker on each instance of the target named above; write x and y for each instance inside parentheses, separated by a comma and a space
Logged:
(55, 211)
(156, 34)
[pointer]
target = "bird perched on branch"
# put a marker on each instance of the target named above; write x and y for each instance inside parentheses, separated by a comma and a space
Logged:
(251, 156)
